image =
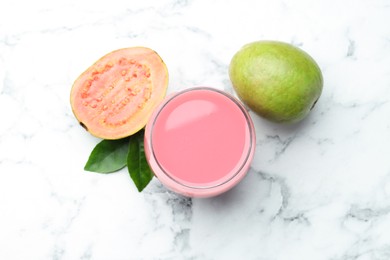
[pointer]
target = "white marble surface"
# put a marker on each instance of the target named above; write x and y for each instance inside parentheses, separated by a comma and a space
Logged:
(317, 190)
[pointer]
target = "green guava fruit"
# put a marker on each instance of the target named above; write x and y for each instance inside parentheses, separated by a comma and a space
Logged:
(276, 80)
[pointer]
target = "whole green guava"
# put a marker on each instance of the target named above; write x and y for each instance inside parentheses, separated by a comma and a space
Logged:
(276, 80)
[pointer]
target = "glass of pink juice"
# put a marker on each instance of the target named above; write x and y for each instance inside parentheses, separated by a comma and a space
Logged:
(200, 142)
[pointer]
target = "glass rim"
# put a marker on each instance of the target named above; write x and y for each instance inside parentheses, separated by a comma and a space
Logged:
(249, 151)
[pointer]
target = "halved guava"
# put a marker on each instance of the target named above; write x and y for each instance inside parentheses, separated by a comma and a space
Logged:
(115, 97)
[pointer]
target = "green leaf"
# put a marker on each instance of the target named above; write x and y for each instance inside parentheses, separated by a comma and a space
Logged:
(108, 156)
(137, 165)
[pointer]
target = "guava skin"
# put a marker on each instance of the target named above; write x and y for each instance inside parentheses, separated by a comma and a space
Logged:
(276, 80)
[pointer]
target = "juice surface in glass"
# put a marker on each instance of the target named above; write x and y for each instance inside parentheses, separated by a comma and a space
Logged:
(201, 138)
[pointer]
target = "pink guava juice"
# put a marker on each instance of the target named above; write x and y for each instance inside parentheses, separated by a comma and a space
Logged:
(200, 142)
